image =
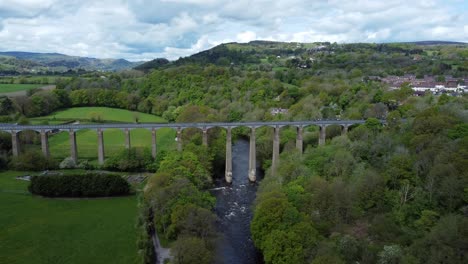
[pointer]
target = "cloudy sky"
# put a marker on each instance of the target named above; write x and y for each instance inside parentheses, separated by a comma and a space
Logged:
(145, 29)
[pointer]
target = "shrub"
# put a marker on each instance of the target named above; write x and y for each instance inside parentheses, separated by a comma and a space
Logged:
(5, 118)
(86, 185)
(67, 163)
(85, 164)
(154, 166)
(95, 117)
(129, 160)
(32, 160)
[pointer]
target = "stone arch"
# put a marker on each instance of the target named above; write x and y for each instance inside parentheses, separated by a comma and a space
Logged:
(333, 130)
(196, 134)
(311, 135)
(29, 136)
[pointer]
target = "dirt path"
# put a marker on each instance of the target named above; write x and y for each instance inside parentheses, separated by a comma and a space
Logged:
(20, 93)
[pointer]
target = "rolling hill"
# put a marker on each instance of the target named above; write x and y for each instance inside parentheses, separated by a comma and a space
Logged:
(304, 55)
(32, 62)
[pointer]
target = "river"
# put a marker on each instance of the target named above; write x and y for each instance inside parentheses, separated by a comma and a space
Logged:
(234, 210)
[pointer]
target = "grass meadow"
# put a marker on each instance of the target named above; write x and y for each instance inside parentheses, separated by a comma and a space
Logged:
(114, 141)
(51, 231)
(105, 114)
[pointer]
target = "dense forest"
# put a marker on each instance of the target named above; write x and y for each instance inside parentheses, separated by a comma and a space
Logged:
(380, 194)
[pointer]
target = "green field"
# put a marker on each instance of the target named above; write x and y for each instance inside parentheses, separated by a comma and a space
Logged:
(9, 88)
(104, 113)
(114, 139)
(41, 230)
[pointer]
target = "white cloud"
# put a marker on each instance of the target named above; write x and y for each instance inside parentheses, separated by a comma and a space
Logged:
(144, 29)
(24, 7)
(379, 34)
(246, 36)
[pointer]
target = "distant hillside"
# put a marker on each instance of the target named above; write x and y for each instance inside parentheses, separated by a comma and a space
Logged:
(436, 42)
(236, 53)
(31, 62)
(301, 55)
(156, 63)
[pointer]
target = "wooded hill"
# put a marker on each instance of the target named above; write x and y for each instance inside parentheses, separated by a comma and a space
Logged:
(15, 62)
(427, 57)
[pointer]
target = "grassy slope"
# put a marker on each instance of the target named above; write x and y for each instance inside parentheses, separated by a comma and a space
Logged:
(8, 88)
(40, 230)
(105, 113)
(113, 138)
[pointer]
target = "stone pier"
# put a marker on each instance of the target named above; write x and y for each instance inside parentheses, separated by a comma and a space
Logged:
(323, 135)
(153, 143)
(205, 137)
(344, 129)
(127, 139)
(73, 146)
(299, 141)
(276, 150)
(179, 139)
(228, 174)
(15, 143)
(100, 138)
(252, 156)
(45, 143)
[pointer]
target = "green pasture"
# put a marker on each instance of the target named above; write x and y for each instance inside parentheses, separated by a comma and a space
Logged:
(43, 230)
(9, 88)
(114, 139)
(104, 114)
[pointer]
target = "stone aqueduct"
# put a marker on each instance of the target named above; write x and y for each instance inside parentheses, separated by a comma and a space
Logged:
(44, 131)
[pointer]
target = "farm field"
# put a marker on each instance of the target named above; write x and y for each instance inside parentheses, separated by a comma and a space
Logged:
(9, 88)
(42, 230)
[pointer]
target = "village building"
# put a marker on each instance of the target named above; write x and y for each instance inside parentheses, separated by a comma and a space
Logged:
(426, 84)
(277, 111)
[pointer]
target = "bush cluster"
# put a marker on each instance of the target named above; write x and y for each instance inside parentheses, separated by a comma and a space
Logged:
(67, 163)
(86, 185)
(130, 160)
(178, 206)
(32, 160)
